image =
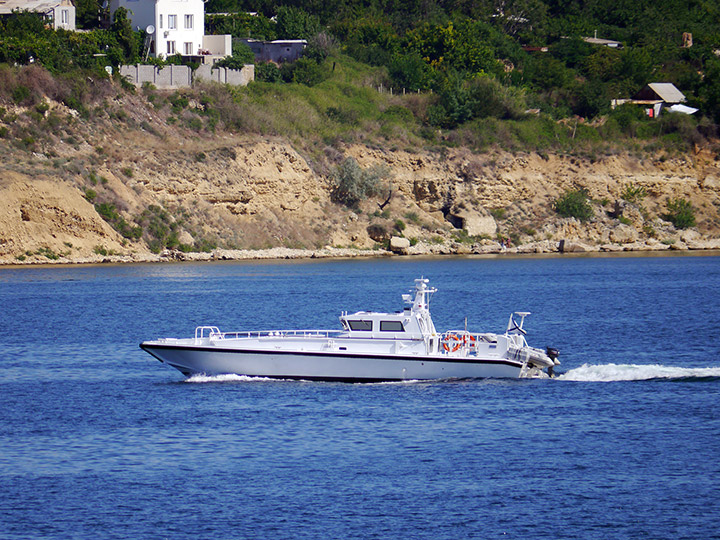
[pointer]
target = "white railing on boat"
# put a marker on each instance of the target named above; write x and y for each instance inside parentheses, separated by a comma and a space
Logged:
(213, 332)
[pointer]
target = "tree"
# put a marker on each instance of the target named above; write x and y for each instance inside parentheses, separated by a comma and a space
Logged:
(123, 32)
(409, 71)
(294, 23)
(242, 54)
(87, 13)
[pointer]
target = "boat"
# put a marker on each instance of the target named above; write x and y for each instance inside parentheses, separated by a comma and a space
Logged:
(370, 347)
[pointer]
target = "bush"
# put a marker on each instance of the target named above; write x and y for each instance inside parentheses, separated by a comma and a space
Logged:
(320, 46)
(633, 194)
(241, 55)
(352, 183)
(110, 214)
(575, 204)
(267, 72)
(680, 213)
(304, 71)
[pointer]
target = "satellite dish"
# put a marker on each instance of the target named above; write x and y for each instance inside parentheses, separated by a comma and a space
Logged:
(150, 29)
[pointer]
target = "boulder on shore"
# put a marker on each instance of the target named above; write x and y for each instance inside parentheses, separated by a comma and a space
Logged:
(399, 245)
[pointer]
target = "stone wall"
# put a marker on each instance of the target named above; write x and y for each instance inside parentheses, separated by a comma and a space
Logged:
(173, 77)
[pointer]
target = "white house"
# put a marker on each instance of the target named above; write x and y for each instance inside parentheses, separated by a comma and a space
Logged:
(60, 13)
(175, 27)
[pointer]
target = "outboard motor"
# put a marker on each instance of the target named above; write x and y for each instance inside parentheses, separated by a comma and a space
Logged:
(553, 354)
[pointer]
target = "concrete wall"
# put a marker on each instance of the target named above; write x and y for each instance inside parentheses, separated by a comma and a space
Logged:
(226, 76)
(172, 77)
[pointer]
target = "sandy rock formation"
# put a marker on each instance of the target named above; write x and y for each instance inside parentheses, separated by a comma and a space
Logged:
(41, 219)
(255, 193)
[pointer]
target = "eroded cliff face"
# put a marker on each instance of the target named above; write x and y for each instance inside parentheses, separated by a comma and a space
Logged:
(256, 193)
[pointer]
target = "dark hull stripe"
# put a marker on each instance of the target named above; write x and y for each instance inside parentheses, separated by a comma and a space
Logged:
(150, 348)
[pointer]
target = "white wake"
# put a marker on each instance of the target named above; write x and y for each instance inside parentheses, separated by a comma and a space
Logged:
(635, 372)
(228, 377)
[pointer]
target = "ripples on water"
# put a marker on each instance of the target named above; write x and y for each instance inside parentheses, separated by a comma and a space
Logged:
(100, 440)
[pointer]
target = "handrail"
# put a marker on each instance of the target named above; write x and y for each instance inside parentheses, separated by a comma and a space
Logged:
(213, 331)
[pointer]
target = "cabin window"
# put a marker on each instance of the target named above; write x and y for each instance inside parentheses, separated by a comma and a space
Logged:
(391, 326)
(361, 325)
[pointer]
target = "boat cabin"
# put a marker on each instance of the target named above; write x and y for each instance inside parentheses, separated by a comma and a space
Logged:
(380, 323)
(413, 322)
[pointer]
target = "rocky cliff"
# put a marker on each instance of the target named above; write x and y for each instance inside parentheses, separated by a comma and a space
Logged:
(232, 195)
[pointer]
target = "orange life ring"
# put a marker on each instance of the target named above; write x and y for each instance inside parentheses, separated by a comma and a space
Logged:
(451, 343)
(469, 339)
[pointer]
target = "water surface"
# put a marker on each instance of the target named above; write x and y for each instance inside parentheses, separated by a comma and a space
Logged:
(98, 439)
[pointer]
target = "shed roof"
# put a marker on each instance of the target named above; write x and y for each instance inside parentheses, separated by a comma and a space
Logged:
(600, 41)
(41, 6)
(666, 92)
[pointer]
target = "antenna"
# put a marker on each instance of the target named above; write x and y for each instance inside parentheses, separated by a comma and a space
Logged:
(149, 31)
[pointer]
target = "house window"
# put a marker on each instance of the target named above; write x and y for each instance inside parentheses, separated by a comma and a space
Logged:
(188, 22)
(188, 48)
(64, 16)
(171, 47)
(172, 22)
(160, 25)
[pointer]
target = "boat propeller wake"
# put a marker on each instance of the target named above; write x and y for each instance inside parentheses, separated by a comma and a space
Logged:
(636, 372)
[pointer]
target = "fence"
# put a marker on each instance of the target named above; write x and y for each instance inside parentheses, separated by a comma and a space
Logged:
(173, 77)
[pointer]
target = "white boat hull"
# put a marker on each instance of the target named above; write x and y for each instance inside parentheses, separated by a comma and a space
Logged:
(327, 366)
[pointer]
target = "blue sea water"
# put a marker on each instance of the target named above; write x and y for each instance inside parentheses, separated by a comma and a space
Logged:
(99, 440)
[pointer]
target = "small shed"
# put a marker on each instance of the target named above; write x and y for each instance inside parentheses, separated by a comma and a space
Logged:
(280, 50)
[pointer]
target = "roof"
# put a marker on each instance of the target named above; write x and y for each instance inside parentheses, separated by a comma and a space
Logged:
(683, 109)
(42, 6)
(666, 92)
(600, 41)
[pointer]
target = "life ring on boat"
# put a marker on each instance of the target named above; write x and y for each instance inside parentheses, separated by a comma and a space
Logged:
(451, 343)
(469, 339)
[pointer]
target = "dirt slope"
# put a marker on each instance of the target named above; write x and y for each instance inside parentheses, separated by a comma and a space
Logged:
(251, 193)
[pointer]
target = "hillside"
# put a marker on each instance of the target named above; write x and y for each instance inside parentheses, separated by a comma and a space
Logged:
(420, 127)
(129, 183)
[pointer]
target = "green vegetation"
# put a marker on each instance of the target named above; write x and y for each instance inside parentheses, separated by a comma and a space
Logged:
(574, 203)
(516, 74)
(161, 229)
(47, 253)
(680, 213)
(110, 214)
(633, 194)
(352, 183)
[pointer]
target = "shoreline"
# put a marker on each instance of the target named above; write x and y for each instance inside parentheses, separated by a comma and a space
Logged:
(543, 249)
